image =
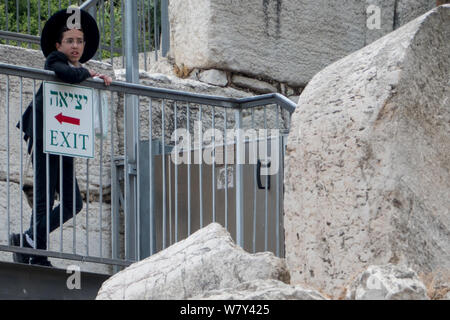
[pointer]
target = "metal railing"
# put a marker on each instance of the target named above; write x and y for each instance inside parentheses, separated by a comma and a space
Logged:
(152, 19)
(173, 200)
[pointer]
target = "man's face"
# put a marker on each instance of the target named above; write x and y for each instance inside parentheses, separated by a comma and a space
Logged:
(72, 45)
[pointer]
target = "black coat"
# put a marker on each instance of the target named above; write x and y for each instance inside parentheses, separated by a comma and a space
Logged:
(58, 63)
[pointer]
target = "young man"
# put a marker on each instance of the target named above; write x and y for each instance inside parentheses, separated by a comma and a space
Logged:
(65, 49)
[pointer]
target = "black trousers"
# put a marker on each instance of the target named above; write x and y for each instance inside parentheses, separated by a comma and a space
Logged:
(40, 192)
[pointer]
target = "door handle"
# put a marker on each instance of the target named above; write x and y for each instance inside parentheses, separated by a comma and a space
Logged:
(258, 175)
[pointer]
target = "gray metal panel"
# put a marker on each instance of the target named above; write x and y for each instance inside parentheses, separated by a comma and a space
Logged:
(144, 201)
(165, 27)
(249, 184)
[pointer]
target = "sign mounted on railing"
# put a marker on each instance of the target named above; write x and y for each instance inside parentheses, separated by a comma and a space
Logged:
(68, 120)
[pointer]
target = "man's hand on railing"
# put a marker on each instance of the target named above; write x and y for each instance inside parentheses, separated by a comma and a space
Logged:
(106, 79)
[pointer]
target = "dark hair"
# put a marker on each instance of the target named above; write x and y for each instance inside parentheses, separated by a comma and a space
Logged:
(61, 33)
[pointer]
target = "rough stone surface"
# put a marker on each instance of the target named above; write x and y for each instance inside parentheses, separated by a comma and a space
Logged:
(214, 77)
(388, 282)
(253, 84)
(194, 74)
(207, 260)
(408, 10)
(437, 284)
(368, 160)
(287, 41)
(261, 290)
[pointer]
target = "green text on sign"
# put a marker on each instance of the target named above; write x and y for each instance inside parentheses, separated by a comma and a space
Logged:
(68, 120)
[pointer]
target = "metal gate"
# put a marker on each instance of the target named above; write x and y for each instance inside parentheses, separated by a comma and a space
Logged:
(187, 211)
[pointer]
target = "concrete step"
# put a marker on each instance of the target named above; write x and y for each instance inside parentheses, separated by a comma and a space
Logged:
(28, 282)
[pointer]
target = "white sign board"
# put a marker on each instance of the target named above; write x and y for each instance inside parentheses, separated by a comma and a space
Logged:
(68, 120)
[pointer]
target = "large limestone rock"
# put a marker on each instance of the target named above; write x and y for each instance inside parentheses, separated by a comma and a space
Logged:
(261, 290)
(207, 260)
(287, 41)
(368, 160)
(388, 282)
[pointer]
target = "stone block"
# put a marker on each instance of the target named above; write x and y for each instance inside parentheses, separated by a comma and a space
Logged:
(367, 167)
(207, 260)
(286, 41)
(214, 77)
(253, 84)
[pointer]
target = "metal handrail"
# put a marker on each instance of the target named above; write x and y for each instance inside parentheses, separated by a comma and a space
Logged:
(64, 255)
(88, 4)
(157, 93)
(236, 104)
(15, 36)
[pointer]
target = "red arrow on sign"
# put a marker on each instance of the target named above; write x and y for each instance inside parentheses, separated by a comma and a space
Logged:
(66, 119)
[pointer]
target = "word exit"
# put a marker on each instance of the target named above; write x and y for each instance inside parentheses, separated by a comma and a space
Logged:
(68, 140)
(68, 120)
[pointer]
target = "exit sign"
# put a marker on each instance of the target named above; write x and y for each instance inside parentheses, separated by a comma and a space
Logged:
(68, 120)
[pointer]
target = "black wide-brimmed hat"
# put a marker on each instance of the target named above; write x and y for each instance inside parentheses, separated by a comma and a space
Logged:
(56, 22)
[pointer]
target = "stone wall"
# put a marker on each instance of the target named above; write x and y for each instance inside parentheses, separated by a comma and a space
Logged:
(213, 78)
(285, 42)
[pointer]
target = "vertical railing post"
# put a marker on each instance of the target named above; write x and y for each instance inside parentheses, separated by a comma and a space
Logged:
(165, 37)
(240, 156)
(92, 10)
(132, 76)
